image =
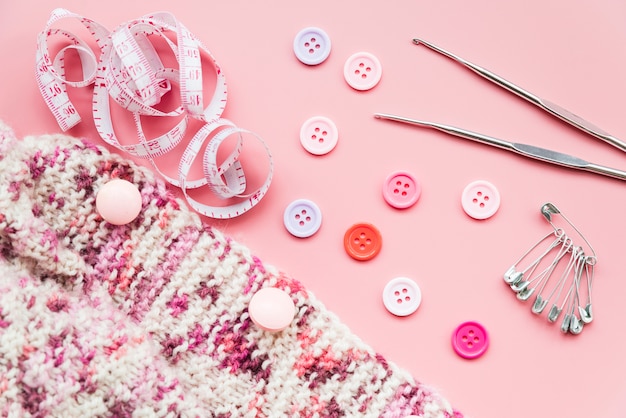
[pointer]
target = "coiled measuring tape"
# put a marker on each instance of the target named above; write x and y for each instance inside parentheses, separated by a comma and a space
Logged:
(127, 69)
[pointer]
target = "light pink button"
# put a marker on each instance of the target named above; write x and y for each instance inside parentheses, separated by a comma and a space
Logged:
(319, 135)
(480, 199)
(362, 71)
(402, 296)
(271, 309)
(118, 202)
(401, 190)
(470, 340)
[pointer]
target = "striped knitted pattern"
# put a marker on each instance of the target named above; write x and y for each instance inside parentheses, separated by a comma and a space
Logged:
(150, 319)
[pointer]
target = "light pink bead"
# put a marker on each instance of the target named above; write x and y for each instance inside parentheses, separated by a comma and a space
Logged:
(118, 202)
(271, 309)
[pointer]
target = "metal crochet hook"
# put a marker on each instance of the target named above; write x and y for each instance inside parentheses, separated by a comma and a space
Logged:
(529, 151)
(544, 104)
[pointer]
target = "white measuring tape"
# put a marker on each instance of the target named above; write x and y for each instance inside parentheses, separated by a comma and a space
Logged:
(127, 69)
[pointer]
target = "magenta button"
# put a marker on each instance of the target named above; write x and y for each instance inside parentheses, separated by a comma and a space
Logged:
(470, 340)
(271, 309)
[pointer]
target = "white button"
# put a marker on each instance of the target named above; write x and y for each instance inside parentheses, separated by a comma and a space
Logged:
(302, 218)
(362, 71)
(311, 46)
(319, 135)
(402, 296)
(480, 199)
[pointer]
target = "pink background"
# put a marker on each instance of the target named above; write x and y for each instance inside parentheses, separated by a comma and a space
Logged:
(572, 52)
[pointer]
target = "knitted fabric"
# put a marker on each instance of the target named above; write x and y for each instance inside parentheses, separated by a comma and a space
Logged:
(150, 318)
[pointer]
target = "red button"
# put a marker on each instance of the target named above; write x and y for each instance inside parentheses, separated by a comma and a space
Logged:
(470, 340)
(362, 241)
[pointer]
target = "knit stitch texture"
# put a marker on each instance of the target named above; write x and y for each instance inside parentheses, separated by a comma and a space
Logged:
(150, 319)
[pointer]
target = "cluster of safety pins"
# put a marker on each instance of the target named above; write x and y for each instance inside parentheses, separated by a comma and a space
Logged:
(558, 271)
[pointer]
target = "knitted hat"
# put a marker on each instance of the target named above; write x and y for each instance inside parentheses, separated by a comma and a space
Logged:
(151, 318)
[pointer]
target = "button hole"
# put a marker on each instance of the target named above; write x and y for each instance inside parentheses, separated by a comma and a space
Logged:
(399, 301)
(361, 65)
(408, 298)
(306, 44)
(357, 72)
(368, 69)
(404, 194)
(363, 75)
(396, 191)
(479, 194)
(311, 51)
(313, 40)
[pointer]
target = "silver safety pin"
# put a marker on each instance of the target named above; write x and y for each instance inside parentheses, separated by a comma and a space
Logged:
(574, 279)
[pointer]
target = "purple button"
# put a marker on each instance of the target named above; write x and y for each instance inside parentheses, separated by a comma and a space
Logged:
(311, 46)
(302, 218)
(470, 340)
(401, 190)
(362, 71)
(480, 199)
(319, 135)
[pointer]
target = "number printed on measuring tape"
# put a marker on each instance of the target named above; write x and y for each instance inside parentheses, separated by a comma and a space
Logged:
(126, 68)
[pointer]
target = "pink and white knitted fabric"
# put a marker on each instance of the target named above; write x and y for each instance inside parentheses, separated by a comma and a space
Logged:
(150, 318)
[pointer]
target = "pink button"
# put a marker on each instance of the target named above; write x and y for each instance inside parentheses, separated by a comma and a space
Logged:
(319, 135)
(118, 202)
(470, 340)
(401, 190)
(271, 309)
(480, 199)
(362, 71)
